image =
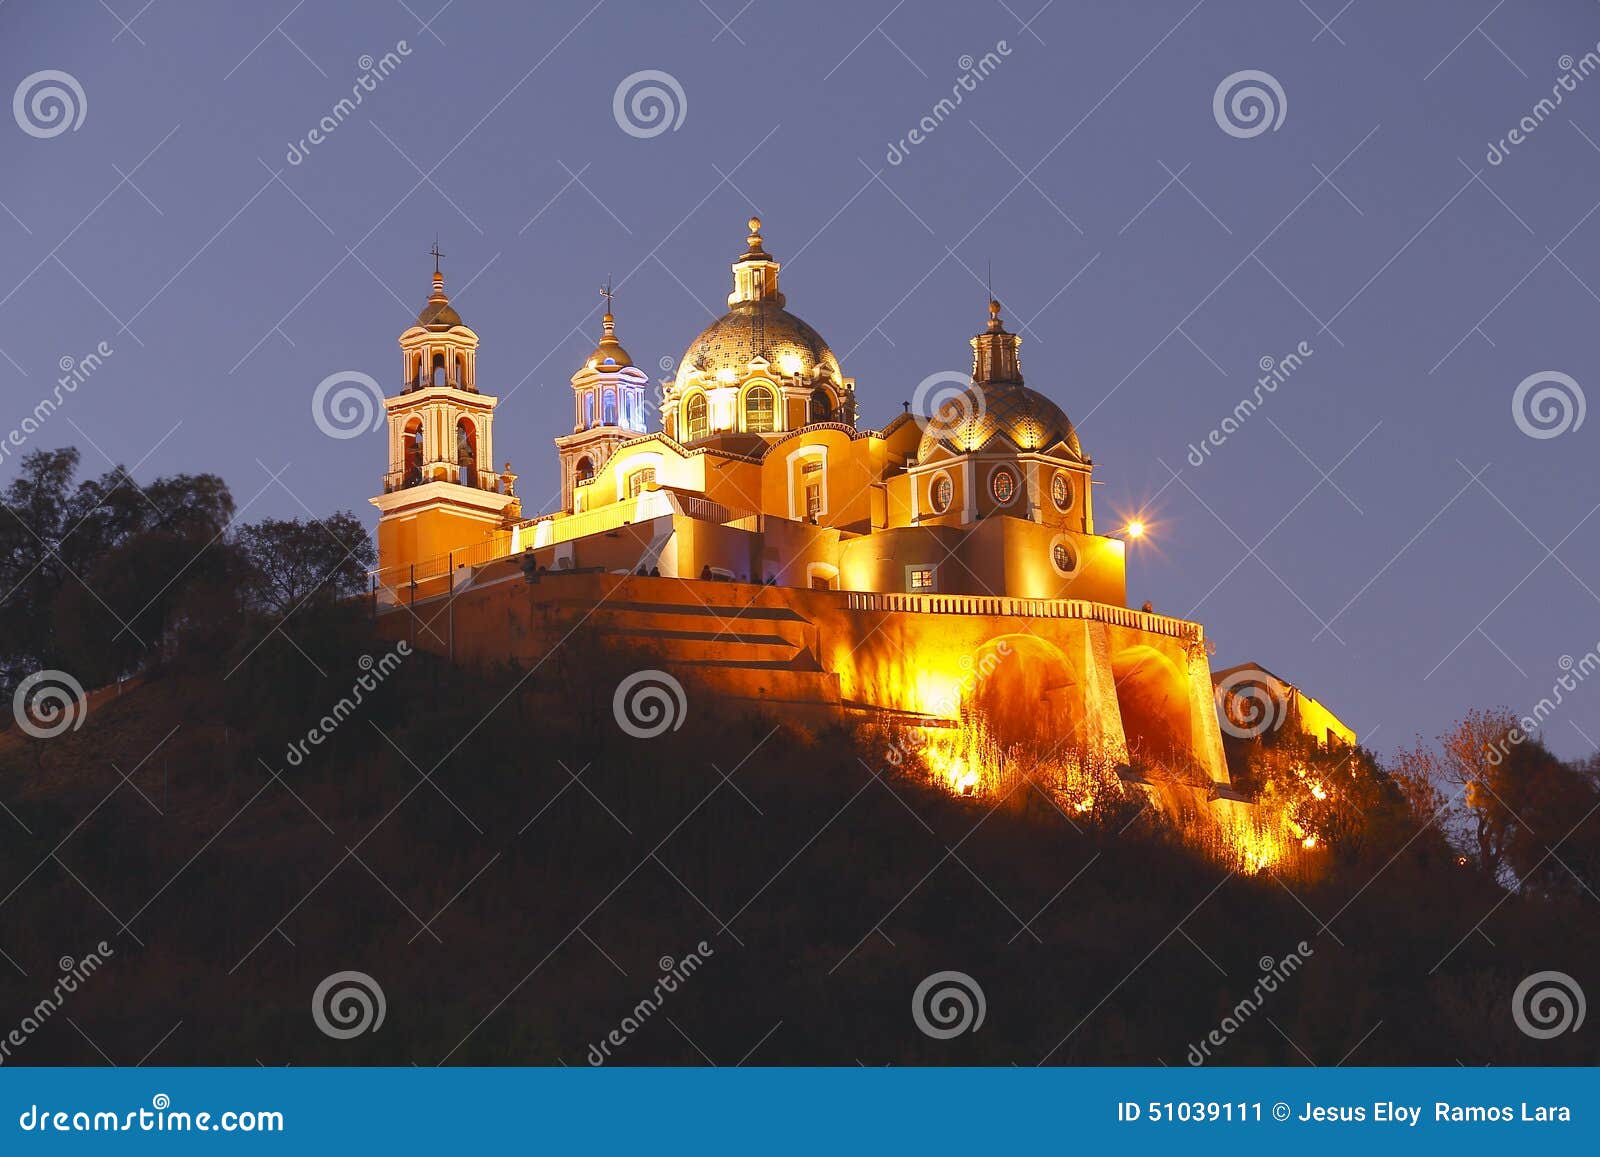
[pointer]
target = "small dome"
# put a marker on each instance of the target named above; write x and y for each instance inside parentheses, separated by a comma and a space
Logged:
(609, 353)
(438, 314)
(971, 421)
(758, 329)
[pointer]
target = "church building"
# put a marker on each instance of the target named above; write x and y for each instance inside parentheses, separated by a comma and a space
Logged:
(754, 538)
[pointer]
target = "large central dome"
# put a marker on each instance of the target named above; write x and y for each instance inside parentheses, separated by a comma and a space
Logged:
(753, 329)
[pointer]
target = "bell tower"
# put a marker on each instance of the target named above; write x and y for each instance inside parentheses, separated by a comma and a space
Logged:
(441, 492)
(608, 410)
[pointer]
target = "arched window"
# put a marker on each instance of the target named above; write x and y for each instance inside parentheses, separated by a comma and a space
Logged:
(609, 408)
(588, 410)
(461, 371)
(411, 448)
(821, 405)
(640, 479)
(758, 410)
(584, 470)
(467, 453)
(694, 417)
(438, 369)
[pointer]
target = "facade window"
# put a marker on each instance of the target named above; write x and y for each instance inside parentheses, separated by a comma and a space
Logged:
(588, 411)
(467, 453)
(1003, 485)
(639, 479)
(609, 408)
(584, 470)
(1063, 558)
(813, 499)
(922, 580)
(941, 493)
(1061, 492)
(758, 413)
(694, 417)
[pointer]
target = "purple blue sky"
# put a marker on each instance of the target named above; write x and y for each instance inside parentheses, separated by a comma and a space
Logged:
(1150, 258)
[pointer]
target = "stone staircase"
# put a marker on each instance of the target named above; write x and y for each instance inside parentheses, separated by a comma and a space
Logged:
(746, 651)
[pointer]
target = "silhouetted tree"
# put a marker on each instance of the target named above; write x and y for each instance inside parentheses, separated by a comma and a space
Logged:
(287, 563)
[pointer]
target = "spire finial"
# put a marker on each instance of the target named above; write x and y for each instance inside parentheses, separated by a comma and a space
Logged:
(607, 294)
(435, 253)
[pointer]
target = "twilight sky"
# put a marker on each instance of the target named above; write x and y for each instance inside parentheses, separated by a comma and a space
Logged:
(1381, 531)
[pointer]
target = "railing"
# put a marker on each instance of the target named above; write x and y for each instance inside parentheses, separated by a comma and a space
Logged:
(1025, 608)
(402, 476)
(552, 529)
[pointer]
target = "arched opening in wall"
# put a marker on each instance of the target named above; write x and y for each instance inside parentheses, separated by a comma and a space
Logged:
(821, 406)
(411, 454)
(583, 471)
(461, 371)
(694, 418)
(1029, 695)
(822, 576)
(758, 410)
(437, 372)
(467, 453)
(608, 409)
(588, 411)
(1153, 696)
(414, 377)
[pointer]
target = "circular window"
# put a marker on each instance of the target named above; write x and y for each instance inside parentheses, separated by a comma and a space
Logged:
(1061, 492)
(1063, 558)
(941, 493)
(1003, 485)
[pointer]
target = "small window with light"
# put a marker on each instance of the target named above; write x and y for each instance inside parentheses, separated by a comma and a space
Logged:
(922, 580)
(1003, 485)
(941, 493)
